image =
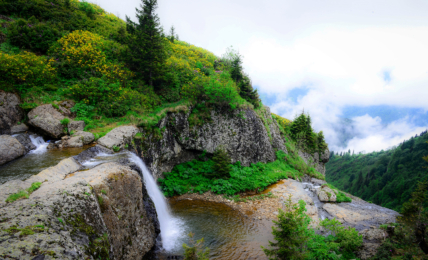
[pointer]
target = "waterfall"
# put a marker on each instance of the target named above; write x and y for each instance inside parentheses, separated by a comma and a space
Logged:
(169, 226)
(41, 145)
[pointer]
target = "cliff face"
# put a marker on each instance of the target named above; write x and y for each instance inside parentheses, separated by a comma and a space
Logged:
(247, 135)
(101, 213)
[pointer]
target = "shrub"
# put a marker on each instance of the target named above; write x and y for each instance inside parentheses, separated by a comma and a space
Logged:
(65, 121)
(84, 54)
(290, 232)
(82, 110)
(116, 148)
(348, 238)
(110, 99)
(25, 70)
(33, 35)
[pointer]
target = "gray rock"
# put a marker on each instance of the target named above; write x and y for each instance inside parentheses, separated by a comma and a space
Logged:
(87, 137)
(376, 234)
(19, 129)
(10, 112)
(318, 181)
(75, 141)
(368, 250)
(47, 119)
(118, 136)
(10, 149)
(25, 140)
(91, 153)
(314, 160)
(325, 194)
(67, 104)
(72, 214)
(76, 126)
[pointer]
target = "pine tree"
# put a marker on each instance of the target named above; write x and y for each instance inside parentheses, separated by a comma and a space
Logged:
(222, 164)
(172, 35)
(147, 52)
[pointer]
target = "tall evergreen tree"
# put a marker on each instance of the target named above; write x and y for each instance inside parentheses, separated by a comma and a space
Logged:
(147, 52)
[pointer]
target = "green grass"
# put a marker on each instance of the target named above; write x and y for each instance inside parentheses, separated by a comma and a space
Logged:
(190, 177)
(340, 196)
(24, 193)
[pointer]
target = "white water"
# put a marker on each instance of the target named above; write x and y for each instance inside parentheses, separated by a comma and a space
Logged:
(39, 143)
(170, 226)
(102, 158)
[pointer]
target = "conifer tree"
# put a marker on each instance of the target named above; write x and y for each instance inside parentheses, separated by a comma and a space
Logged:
(147, 52)
(172, 35)
(222, 163)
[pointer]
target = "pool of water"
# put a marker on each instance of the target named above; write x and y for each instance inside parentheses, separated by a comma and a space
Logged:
(35, 162)
(227, 233)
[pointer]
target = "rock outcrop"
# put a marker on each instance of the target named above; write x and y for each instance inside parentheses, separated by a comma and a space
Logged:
(243, 133)
(76, 126)
(47, 119)
(325, 194)
(316, 160)
(10, 111)
(10, 149)
(79, 139)
(93, 214)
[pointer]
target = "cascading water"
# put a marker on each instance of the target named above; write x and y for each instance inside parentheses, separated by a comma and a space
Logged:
(170, 226)
(39, 143)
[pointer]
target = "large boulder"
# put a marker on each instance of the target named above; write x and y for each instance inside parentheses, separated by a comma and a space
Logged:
(10, 149)
(86, 137)
(47, 119)
(25, 140)
(10, 111)
(94, 214)
(118, 137)
(76, 126)
(325, 194)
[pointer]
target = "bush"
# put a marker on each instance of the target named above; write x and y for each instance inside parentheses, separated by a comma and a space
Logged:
(65, 121)
(83, 54)
(82, 110)
(290, 232)
(191, 177)
(110, 99)
(348, 238)
(33, 35)
(25, 70)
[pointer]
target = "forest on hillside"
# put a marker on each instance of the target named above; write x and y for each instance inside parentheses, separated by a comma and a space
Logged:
(386, 178)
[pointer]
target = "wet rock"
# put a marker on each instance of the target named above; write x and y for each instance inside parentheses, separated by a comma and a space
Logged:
(10, 149)
(47, 119)
(76, 126)
(25, 140)
(19, 129)
(317, 181)
(86, 137)
(75, 141)
(325, 194)
(10, 111)
(118, 137)
(97, 210)
(91, 153)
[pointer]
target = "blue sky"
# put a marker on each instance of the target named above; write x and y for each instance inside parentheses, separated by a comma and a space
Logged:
(365, 59)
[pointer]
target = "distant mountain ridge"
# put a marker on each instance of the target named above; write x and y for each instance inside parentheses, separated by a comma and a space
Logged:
(386, 178)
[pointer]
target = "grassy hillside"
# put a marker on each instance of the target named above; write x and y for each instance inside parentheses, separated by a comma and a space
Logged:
(386, 178)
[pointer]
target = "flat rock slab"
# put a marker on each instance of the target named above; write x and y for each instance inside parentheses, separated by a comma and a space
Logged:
(118, 137)
(361, 214)
(10, 149)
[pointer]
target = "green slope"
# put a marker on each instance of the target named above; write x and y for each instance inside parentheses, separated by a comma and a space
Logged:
(386, 178)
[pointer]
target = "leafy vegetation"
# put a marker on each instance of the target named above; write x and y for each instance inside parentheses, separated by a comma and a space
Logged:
(190, 177)
(386, 178)
(24, 193)
(195, 251)
(295, 240)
